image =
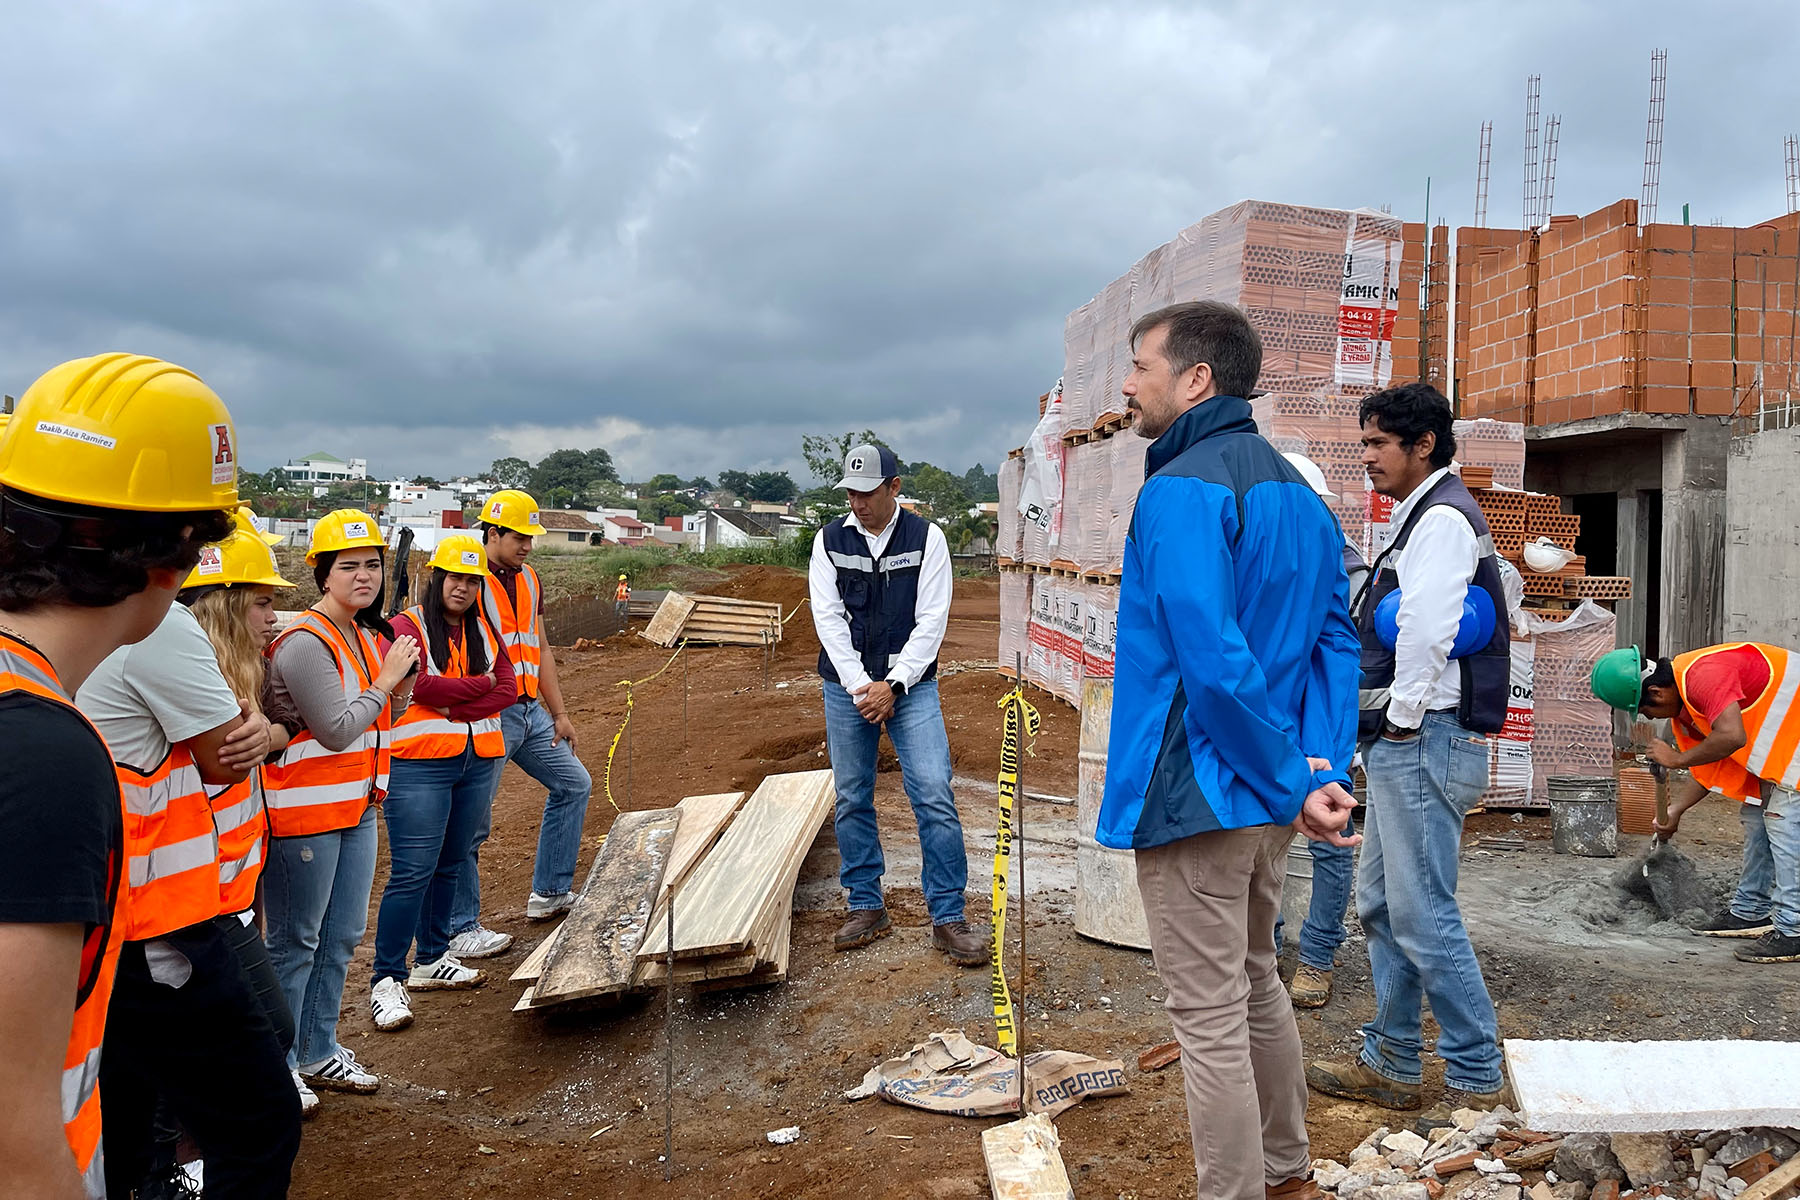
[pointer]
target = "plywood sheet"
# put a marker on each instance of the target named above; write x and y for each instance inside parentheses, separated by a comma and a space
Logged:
(596, 949)
(665, 627)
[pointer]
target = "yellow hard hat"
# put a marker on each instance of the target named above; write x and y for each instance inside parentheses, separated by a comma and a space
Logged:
(461, 554)
(242, 558)
(513, 510)
(122, 431)
(621, 574)
(345, 529)
(246, 517)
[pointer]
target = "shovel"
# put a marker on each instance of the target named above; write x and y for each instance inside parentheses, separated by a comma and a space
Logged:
(1668, 875)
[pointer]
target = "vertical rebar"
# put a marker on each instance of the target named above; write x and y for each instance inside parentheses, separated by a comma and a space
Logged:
(1019, 838)
(684, 698)
(669, 1049)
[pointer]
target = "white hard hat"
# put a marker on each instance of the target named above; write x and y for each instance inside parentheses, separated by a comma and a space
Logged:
(1309, 471)
(1546, 556)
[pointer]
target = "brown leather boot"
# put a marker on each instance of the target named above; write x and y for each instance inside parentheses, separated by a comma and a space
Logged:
(1301, 1187)
(964, 946)
(1352, 1079)
(863, 927)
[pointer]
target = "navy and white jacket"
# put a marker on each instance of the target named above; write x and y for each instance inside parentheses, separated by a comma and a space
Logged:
(1236, 658)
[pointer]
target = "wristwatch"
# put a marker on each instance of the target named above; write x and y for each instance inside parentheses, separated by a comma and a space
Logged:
(1396, 733)
(898, 687)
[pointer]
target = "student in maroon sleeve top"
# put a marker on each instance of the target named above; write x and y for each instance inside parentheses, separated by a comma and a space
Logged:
(448, 754)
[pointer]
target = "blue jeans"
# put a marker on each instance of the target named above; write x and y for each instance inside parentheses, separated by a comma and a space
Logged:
(1770, 886)
(316, 890)
(1323, 930)
(528, 730)
(1419, 791)
(434, 808)
(917, 731)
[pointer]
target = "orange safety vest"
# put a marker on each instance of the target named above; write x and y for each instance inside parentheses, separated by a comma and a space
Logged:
(23, 669)
(622, 592)
(424, 732)
(242, 821)
(315, 790)
(518, 623)
(171, 847)
(1771, 728)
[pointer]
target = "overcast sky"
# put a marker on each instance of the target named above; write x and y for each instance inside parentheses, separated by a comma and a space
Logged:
(431, 234)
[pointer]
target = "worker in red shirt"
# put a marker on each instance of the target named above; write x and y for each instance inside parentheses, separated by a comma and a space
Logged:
(1736, 723)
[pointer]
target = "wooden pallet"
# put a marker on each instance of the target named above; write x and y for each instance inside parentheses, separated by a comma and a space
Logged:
(714, 620)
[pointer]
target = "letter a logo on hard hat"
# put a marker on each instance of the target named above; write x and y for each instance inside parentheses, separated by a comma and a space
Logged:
(224, 458)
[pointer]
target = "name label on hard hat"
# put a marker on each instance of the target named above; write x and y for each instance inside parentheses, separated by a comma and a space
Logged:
(356, 529)
(224, 457)
(497, 509)
(471, 558)
(77, 435)
(212, 562)
(532, 519)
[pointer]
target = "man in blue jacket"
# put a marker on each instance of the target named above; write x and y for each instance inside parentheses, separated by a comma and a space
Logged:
(1233, 724)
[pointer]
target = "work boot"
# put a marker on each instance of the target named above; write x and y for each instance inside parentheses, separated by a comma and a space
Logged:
(1772, 947)
(1311, 987)
(1352, 1079)
(863, 927)
(1301, 1187)
(1729, 925)
(1443, 1113)
(964, 946)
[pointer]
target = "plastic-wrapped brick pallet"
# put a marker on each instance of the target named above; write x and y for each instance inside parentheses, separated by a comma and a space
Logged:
(1011, 533)
(1015, 616)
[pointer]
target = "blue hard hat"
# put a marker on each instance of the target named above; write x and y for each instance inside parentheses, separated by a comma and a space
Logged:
(1475, 632)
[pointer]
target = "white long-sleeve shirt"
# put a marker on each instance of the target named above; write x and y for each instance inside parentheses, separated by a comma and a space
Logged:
(1435, 570)
(931, 610)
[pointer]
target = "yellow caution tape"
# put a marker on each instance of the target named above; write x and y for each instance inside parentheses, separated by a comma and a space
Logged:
(1019, 712)
(628, 685)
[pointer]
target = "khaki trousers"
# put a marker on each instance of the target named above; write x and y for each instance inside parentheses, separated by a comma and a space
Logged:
(1211, 901)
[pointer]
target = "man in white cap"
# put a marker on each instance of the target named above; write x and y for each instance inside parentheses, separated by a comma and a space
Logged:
(1323, 930)
(880, 582)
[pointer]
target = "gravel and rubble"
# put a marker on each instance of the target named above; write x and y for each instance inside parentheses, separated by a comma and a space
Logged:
(1493, 1155)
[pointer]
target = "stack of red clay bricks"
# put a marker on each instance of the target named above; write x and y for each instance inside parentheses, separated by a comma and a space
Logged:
(1594, 316)
(1515, 518)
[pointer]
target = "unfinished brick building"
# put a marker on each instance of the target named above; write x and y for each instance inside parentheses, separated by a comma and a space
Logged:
(1627, 352)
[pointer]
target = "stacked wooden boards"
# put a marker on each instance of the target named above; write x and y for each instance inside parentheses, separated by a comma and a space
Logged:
(718, 620)
(731, 866)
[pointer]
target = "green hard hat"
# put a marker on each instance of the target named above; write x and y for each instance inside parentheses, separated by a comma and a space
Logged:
(1618, 678)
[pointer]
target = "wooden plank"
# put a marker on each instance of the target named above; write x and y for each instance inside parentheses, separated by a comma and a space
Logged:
(703, 820)
(1775, 1182)
(726, 639)
(526, 1001)
(533, 966)
(722, 901)
(707, 601)
(706, 620)
(596, 951)
(1024, 1160)
(665, 627)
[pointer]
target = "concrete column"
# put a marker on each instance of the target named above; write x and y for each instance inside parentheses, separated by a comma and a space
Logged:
(1634, 561)
(1694, 464)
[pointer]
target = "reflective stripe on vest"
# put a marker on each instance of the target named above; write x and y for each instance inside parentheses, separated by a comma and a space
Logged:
(520, 626)
(424, 732)
(23, 669)
(171, 848)
(242, 824)
(312, 789)
(1771, 728)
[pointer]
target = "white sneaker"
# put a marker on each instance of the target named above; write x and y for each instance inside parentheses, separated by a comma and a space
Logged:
(309, 1099)
(341, 1073)
(480, 942)
(390, 1005)
(542, 908)
(446, 972)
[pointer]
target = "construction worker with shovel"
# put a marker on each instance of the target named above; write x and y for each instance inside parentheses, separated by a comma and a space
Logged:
(1736, 724)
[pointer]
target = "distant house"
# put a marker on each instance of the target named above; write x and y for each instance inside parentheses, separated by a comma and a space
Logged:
(428, 512)
(627, 531)
(764, 506)
(320, 470)
(739, 527)
(567, 531)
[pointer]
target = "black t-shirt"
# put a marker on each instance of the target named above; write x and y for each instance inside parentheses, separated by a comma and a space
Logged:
(61, 832)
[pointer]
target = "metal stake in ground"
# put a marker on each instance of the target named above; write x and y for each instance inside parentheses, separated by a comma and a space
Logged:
(1019, 838)
(669, 1050)
(684, 698)
(630, 748)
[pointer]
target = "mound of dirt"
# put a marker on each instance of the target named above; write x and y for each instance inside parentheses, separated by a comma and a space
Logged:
(776, 585)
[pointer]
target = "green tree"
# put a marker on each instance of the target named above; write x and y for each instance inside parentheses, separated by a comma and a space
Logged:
(961, 533)
(825, 454)
(261, 483)
(981, 484)
(427, 481)
(737, 482)
(563, 475)
(939, 491)
(700, 483)
(510, 472)
(773, 487)
(657, 508)
(659, 484)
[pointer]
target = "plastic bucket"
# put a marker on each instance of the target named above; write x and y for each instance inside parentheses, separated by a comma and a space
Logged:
(1296, 888)
(1108, 906)
(1584, 815)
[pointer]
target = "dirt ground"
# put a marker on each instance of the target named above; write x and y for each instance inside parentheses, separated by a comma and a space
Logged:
(476, 1100)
